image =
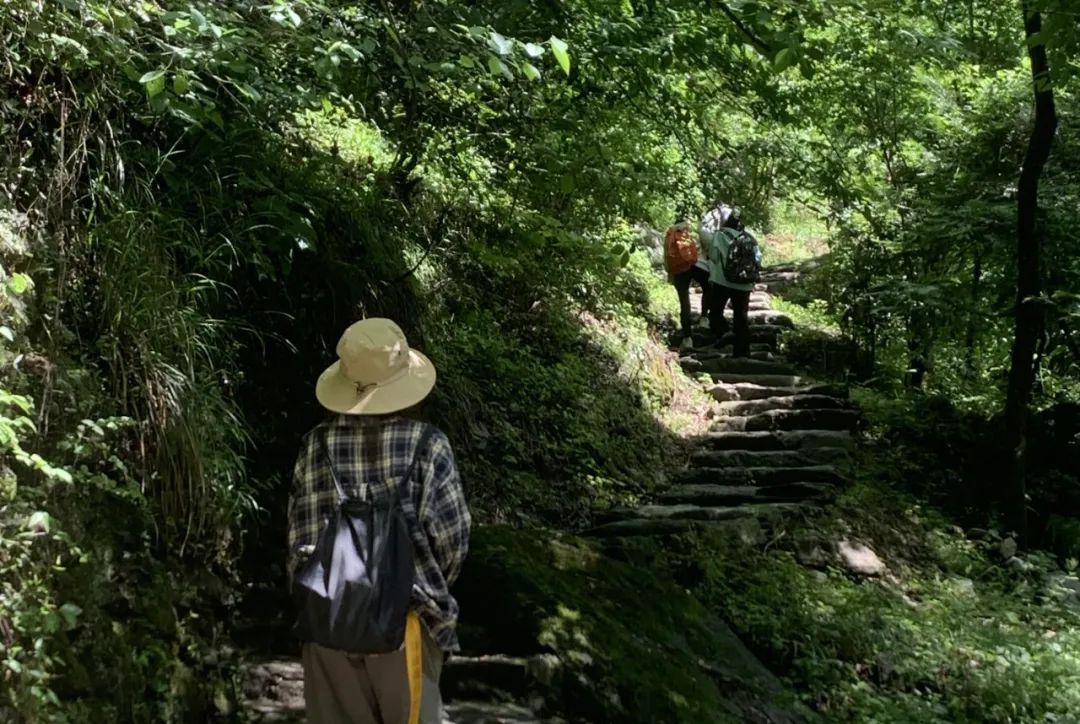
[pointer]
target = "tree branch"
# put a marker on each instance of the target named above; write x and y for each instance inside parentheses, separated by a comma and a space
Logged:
(757, 41)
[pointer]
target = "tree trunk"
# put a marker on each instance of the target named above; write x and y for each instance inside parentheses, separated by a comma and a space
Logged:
(973, 315)
(1029, 308)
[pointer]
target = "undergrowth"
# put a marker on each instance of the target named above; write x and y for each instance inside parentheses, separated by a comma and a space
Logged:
(959, 629)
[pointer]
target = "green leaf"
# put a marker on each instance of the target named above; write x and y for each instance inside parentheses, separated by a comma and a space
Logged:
(180, 85)
(560, 49)
(151, 76)
(154, 82)
(500, 44)
(70, 613)
(40, 522)
(786, 58)
(199, 18)
(531, 71)
(467, 61)
(19, 283)
(249, 92)
(498, 67)
(294, 18)
(7, 334)
(533, 50)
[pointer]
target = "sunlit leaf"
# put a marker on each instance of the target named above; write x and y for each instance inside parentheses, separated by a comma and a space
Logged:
(498, 67)
(199, 18)
(18, 283)
(786, 58)
(562, 54)
(153, 82)
(151, 76)
(40, 522)
(500, 44)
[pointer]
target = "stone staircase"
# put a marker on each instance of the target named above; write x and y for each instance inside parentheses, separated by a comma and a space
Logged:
(777, 447)
(475, 689)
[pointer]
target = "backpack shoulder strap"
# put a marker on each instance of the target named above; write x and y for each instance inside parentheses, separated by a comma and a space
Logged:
(421, 445)
(342, 497)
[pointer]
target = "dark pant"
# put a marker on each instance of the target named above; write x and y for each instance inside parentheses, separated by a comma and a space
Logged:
(682, 286)
(740, 306)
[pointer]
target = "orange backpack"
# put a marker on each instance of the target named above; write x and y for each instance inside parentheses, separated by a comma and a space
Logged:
(680, 250)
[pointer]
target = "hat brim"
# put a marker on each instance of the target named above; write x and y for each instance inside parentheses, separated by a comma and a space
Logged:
(338, 393)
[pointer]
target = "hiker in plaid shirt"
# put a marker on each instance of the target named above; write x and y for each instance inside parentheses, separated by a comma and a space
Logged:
(372, 446)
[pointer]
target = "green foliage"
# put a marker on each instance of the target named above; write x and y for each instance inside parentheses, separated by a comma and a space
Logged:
(573, 412)
(196, 197)
(601, 617)
(949, 635)
(933, 646)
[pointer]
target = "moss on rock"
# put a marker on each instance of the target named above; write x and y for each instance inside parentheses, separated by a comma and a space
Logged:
(631, 644)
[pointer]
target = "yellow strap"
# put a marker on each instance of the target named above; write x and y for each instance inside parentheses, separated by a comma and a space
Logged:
(414, 664)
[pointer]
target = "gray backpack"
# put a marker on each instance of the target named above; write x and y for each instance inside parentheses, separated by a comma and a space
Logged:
(353, 591)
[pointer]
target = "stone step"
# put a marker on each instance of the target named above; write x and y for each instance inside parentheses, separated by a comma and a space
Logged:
(777, 440)
(760, 306)
(735, 378)
(654, 511)
(273, 691)
(756, 297)
(788, 402)
(761, 476)
(772, 278)
(727, 495)
(791, 420)
(488, 712)
(715, 364)
(471, 677)
(766, 317)
(743, 391)
(794, 266)
(477, 689)
(762, 333)
(725, 350)
(761, 353)
(768, 458)
(656, 520)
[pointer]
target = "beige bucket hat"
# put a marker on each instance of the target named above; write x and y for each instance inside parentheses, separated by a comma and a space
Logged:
(376, 372)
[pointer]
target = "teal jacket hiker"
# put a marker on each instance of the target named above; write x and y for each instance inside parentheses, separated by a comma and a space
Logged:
(719, 246)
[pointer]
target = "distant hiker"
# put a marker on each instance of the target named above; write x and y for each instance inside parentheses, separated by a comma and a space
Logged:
(713, 220)
(685, 265)
(378, 530)
(735, 266)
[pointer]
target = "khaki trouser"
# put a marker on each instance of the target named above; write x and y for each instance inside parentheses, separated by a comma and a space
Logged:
(342, 688)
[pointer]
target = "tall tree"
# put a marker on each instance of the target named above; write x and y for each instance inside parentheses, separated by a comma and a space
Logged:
(1029, 309)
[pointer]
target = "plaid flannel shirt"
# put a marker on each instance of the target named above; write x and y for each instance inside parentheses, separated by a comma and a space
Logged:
(375, 453)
